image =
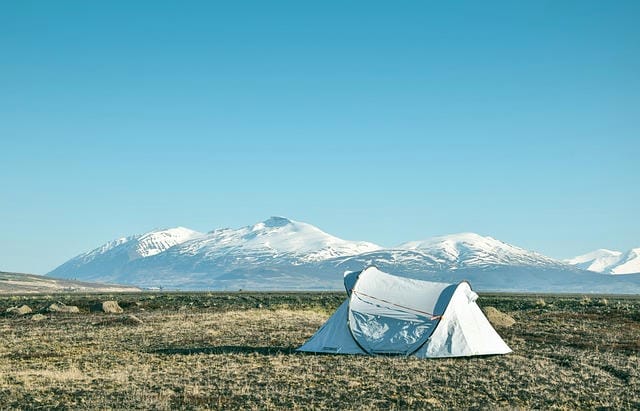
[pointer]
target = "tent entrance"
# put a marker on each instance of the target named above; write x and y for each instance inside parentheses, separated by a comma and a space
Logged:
(383, 327)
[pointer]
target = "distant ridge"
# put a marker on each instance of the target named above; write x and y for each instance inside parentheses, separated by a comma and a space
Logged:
(283, 254)
(19, 283)
(609, 262)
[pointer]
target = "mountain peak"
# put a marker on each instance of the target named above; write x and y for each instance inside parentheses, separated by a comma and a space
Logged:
(608, 262)
(466, 237)
(593, 255)
(276, 221)
(449, 239)
(272, 224)
(474, 250)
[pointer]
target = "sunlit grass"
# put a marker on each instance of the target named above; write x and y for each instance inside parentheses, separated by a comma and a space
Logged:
(222, 351)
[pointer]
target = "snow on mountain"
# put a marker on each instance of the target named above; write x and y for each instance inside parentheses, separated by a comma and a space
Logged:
(597, 260)
(280, 254)
(629, 263)
(103, 249)
(469, 250)
(155, 242)
(143, 245)
(274, 238)
(489, 264)
(167, 256)
(104, 262)
(609, 262)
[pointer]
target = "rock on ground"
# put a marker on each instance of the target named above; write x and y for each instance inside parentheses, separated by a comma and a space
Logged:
(62, 308)
(38, 317)
(131, 320)
(22, 310)
(109, 307)
(119, 320)
(497, 318)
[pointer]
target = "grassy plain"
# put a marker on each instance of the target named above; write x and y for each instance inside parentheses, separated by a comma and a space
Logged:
(237, 351)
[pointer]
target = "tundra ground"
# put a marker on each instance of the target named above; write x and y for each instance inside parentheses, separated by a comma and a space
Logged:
(237, 351)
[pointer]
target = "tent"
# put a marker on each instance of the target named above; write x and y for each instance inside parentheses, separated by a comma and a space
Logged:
(387, 314)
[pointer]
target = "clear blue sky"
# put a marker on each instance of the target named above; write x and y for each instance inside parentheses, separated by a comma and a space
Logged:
(374, 120)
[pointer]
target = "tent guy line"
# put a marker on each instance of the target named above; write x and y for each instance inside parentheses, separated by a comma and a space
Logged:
(431, 315)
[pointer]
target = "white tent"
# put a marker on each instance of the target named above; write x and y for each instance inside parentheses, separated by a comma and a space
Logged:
(386, 314)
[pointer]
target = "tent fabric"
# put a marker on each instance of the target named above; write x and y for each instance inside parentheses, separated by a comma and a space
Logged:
(334, 336)
(463, 330)
(387, 314)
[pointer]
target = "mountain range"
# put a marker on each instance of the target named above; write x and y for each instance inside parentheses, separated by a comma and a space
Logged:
(609, 262)
(281, 254)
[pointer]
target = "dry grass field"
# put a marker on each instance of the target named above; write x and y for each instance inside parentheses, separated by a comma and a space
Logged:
(237, 351)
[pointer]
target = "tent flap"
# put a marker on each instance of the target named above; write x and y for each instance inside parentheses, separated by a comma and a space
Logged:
(334, 336)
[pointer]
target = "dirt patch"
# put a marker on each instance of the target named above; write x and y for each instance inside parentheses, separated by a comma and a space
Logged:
(120, 320)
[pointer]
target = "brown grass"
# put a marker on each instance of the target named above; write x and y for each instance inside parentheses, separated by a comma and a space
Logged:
(196, 351)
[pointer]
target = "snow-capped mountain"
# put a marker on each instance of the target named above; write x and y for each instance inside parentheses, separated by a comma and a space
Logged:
(609, 262)
(470, 250)
(275, 238)
(167, 256)
(104, 262)
(283, 254)
(597, 260)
